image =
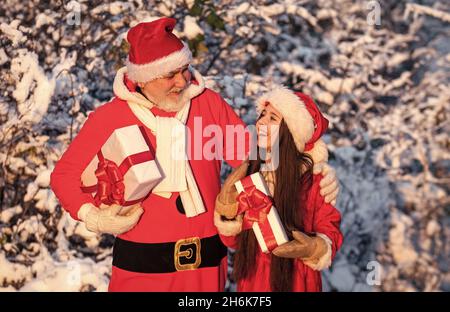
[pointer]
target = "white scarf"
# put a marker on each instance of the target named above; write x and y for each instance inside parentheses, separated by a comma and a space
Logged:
(170, 138)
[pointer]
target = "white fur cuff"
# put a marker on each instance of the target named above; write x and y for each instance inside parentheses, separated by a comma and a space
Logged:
(83, 211)
(229, 227)
(325, 261)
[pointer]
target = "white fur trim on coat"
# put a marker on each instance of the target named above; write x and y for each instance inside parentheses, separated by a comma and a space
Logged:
(229, 227)
(324, 261)
(83, 211)
(160, 67)
(319, 152)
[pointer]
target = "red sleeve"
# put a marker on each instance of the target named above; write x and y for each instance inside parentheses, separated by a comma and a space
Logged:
(327, 218)
(65, 179)
(236, 144)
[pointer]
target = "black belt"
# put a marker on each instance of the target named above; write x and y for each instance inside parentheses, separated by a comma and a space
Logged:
(185, 254)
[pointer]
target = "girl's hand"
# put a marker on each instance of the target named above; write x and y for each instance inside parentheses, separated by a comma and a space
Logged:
(226, 203)
(302, 247)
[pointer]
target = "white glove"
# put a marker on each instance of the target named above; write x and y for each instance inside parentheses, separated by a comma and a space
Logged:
(108, 220)
(329, 186)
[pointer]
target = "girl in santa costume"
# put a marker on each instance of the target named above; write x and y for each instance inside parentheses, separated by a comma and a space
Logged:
(169, 242)
(312, 224)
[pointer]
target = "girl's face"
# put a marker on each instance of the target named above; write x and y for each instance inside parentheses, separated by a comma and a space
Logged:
(268, 126)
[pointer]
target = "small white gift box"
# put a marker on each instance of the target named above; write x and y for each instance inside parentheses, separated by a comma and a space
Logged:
(124, 171)
(271, 233)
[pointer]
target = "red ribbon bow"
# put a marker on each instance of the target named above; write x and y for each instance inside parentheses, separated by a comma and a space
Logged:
(110, 186)
(256, 206)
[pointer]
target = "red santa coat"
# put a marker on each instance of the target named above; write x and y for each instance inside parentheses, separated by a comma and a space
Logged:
(318, 217)
(161, 221)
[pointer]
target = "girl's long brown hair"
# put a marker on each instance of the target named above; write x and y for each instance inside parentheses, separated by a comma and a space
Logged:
(293, 179)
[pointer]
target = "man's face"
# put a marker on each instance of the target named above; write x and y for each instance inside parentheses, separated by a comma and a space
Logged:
(167, 92)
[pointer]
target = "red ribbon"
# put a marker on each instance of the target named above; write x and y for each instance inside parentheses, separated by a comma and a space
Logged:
(256, 206)
(110, 187)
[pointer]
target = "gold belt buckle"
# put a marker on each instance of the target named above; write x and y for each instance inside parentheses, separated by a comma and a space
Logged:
(187, 253)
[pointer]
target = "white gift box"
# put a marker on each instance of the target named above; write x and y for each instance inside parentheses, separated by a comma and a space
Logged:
(273, 217)
(130, 150)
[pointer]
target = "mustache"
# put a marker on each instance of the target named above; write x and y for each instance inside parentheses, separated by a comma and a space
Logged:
(178, 90)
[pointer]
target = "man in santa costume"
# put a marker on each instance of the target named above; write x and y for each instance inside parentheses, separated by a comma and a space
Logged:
(169, 242)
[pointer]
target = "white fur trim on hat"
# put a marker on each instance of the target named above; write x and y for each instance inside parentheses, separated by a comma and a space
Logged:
(160, 67)
(297, 118)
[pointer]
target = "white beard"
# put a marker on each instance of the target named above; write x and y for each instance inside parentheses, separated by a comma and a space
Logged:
(169, 105)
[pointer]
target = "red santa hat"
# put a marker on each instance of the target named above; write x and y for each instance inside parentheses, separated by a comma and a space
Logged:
(155, 51)
(303, 118)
